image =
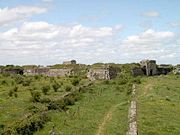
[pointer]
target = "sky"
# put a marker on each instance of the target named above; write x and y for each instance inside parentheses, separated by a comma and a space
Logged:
(46, 32)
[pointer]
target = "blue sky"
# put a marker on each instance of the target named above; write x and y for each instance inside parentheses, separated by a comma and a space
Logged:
(118, 31)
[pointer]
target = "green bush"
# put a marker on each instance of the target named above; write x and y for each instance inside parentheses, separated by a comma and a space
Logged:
(19, 79)
(45, 89)
(15, 89)
(15, 95)
(28, 126)
(136, 80)
(4, 82)
(68, 88)
(55, 86)
(75, 81)
(26, 82)
(11, 92)
(37, 77)
(36, 95)
(57, 105)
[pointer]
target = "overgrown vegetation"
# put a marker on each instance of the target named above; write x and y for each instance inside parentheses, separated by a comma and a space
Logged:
(158, 105)
(74, 105)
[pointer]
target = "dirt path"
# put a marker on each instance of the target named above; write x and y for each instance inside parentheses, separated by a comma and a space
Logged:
(106, 119)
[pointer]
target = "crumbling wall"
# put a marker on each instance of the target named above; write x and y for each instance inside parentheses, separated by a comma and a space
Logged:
(137, 72)
(164, 69)
(102, 73)
(60, 72)
(98, 74)
(176, 70)
(49, 72)
(12, 71)
(36, 71)
(149, 67)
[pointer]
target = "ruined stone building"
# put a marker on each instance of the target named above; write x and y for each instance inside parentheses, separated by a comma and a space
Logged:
(164, 69)
(61, 72)
(149, 67)
(69, 62)
(104, 72)
(12, 71)
(49, 71)
(137, 72)
(176, 70)
(36, 71)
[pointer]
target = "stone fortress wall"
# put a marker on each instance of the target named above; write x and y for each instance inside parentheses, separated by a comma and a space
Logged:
(101, 72)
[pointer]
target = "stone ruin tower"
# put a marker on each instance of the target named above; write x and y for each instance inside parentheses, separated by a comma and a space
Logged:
(149, 67)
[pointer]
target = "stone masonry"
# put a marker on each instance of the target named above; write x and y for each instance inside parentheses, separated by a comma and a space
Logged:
(102, 73)
(49, 72)
(149, 67)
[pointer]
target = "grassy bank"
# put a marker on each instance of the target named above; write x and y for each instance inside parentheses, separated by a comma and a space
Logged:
(159, 105)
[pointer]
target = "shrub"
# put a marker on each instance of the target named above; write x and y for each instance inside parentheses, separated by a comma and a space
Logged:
(15, 95)
(11, 92)
(70, 100)
(28, 126)
(106, 82)
(37, 77)
(52, 79)
(136, 80)
(4, 82)
(45, 89)
(26, 82)
(19, 79)
(57, 105)
(6, 74)
(55, 86)
(75, 81)
(15, 89)
(35, 96)
(68, 88)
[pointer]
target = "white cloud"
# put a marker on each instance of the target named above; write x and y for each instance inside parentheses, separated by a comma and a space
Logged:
(47, 0)
(9, 15)
(175, 24)
(151, 14)
(44, 43)
(151, 44)
(40, 42)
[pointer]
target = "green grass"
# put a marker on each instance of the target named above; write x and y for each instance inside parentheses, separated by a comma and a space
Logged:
(13, 108)
(84, 117)
(158, 100)
(159, 105)
(88, 113)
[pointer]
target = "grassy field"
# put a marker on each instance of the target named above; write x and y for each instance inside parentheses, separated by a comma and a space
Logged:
(88, 115)
(33, 104)
(159, 105)
(24, 96)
